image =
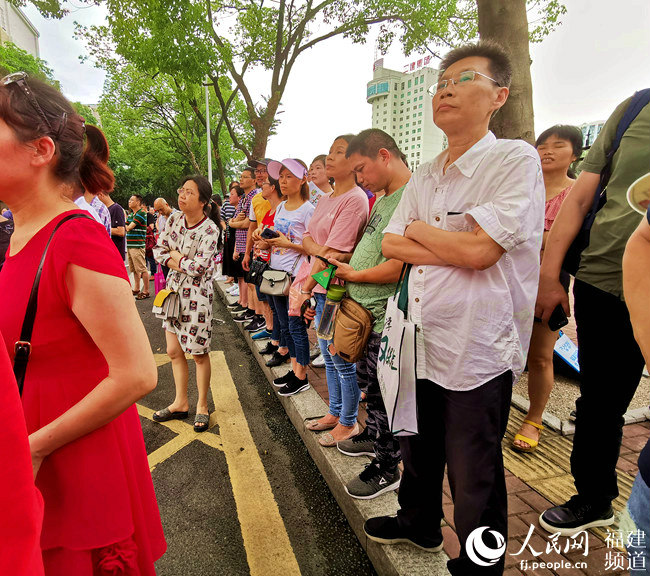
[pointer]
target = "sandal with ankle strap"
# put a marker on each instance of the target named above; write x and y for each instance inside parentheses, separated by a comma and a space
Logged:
(532, 444)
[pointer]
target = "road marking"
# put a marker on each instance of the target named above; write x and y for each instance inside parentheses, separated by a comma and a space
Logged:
(267, 544)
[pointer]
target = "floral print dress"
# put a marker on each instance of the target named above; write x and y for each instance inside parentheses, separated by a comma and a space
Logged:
(194, 285)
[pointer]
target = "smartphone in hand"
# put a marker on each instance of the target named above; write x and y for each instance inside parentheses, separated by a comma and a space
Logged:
(268, 234)
(557, 319)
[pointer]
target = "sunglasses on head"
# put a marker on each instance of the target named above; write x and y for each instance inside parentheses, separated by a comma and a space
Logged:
(20, 80)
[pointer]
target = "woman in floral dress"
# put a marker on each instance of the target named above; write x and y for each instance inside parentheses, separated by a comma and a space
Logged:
(188, 246)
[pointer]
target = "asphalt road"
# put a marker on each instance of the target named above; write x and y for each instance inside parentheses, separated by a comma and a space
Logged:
(245, 496)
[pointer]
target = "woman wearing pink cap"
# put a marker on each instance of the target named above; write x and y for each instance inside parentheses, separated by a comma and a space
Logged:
(291, 219)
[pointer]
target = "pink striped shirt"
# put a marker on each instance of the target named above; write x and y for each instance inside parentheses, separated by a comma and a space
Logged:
(552, 207)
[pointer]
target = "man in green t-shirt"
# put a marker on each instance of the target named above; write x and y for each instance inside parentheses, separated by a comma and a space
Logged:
(370, 280)
(611, 363)
(136, 234)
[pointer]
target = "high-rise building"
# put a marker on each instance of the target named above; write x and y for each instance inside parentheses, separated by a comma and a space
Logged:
(401, 107)
(590, 131)
(15, 27)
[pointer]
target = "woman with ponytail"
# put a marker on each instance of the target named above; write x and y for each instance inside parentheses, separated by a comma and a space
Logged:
(90, 358)
(188, 247)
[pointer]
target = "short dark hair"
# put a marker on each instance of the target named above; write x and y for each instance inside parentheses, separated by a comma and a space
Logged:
(322, 158)
(139, 198)
(500, 65)
(572, 134)
(347, 137)
(250, 171)
(565, 132)
(276, 186)
(369, 142)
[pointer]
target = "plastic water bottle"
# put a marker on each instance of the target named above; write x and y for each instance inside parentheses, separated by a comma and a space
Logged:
(325, 329)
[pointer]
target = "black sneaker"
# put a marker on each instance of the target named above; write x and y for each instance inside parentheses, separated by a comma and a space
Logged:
(373, 482)
(360, 445)
(255, 325)
(574, 516)
(296, 385)
(282, 380)
(277, 359)
(237, 309)
(245, 316)
(234, 304)
(386, 530)
(270, 348)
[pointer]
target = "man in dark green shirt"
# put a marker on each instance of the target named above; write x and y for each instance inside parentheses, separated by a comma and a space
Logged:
(611, 363)
(136, 234)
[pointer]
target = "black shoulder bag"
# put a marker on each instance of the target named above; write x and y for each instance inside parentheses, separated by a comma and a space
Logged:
(23, 347)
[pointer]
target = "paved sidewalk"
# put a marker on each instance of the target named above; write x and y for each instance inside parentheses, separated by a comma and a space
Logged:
(535, 482)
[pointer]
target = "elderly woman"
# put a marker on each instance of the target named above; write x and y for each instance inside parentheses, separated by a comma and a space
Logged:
(188, 247)
(90, 357)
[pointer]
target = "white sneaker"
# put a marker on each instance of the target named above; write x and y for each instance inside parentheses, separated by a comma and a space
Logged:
(318, 362)
(232, 289)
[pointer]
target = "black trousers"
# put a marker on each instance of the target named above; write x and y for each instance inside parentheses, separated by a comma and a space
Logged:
(611, 365)
(462, 429)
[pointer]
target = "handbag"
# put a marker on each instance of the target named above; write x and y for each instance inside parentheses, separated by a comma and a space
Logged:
(581, 241)
(23, 347)
(167, 303)
(256, 269)
(352, 328)
(277, 282)
(159, 280)
(396, 364)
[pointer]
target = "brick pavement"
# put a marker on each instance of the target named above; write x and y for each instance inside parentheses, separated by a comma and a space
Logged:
(525, 503)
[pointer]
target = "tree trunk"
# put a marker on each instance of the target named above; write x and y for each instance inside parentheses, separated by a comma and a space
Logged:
(505, 22)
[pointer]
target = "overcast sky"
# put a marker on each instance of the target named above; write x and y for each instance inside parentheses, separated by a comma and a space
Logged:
(596, 58)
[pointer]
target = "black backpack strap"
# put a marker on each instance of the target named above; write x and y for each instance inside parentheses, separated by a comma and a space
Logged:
(23, 347)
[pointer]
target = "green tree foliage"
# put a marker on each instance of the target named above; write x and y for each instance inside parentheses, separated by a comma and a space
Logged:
(156, 126)
(14, 59)
(191, 39)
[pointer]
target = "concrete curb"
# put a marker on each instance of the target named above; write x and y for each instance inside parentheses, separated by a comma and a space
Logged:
(338, 470)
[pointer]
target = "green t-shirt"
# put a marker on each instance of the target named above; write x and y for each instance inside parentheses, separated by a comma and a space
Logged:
(601, 262)
(368, 254)
(136, 238)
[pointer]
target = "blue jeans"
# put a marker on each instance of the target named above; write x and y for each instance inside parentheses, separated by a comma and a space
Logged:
(276, 335)
(293, 330)
(342, 384)
(639, 508)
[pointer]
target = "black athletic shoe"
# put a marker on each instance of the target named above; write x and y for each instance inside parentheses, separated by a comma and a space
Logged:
(277, 359)
(245, 316)
(235, 304)
(270, 348)
(293, 387)
(373, 482)
(238, 309)
(255, 325)
(282, 380)
(574, 516)
(386, 530)
(359, 445)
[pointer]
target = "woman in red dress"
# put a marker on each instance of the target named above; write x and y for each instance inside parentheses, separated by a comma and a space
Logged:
(90, 358)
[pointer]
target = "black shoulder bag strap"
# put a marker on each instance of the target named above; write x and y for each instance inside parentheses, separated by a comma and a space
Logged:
(23, 347)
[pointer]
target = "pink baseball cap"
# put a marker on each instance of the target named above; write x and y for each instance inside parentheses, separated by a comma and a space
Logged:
(294, 166)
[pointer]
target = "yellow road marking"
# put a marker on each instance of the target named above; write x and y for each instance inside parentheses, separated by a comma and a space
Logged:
(267, 544)
(266, 541)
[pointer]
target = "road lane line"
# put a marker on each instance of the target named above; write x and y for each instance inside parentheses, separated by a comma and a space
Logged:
(267, 544)
(168, 450)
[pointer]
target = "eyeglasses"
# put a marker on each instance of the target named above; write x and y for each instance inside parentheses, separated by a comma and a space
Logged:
(20, 80)
(461, 79)
(183, 192)
(261, 171)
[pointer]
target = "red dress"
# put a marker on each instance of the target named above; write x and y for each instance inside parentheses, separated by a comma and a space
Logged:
(20, 502)
(98, 489)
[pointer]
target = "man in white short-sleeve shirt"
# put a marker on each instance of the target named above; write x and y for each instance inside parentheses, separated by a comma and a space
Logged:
(470, 222)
